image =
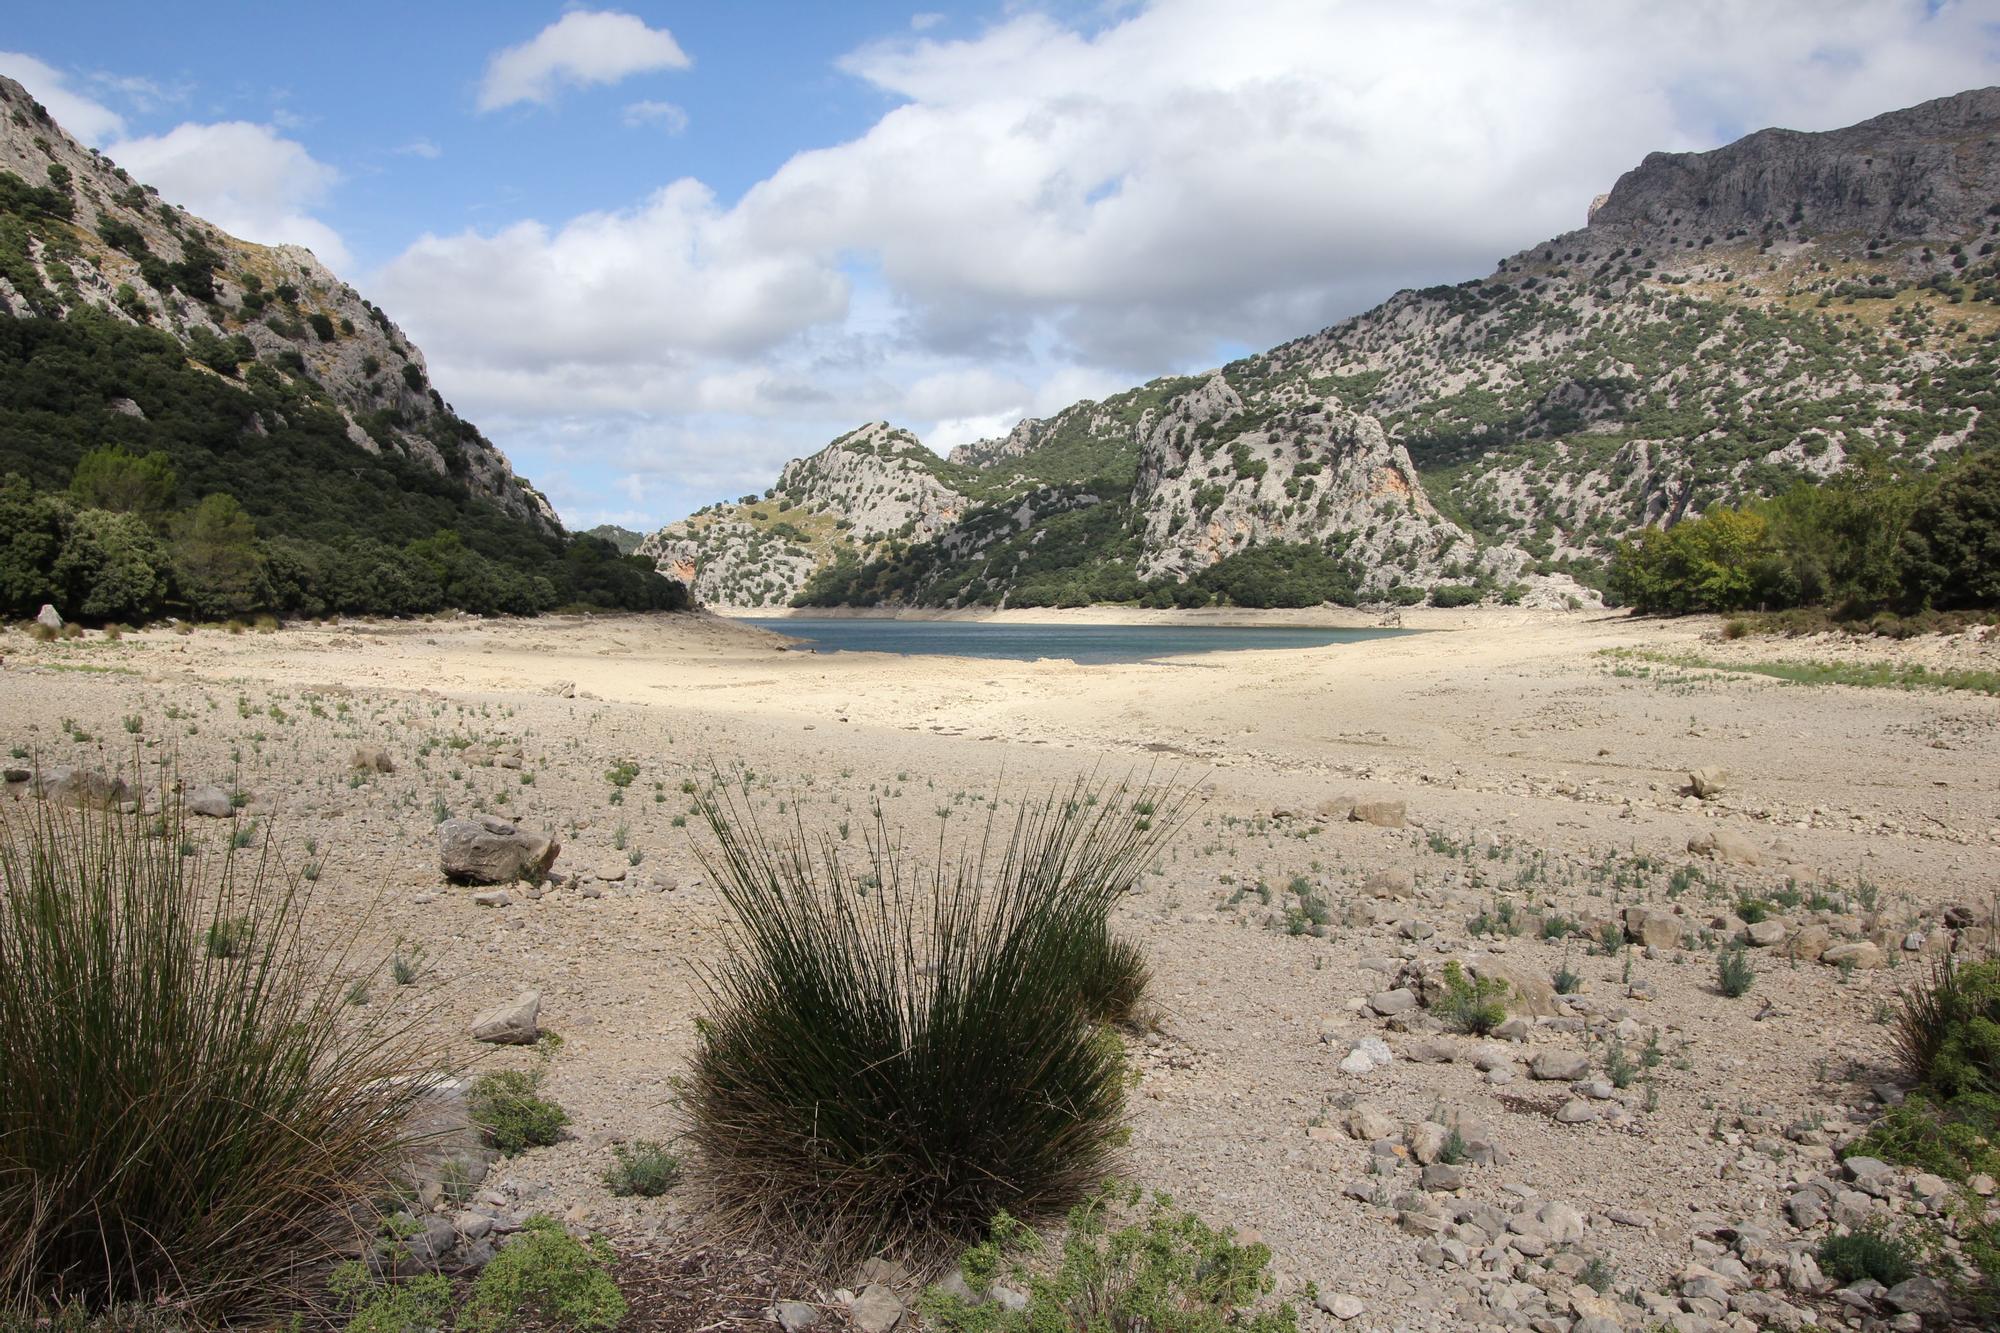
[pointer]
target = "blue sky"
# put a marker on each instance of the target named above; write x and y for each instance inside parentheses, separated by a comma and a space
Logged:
(654, 250)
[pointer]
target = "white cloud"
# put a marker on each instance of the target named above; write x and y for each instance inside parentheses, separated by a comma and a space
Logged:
(925, 21)
(1048, 211)
(245, 178)
(664, 115)
(89, 120)
(423, 148)
(580, 49)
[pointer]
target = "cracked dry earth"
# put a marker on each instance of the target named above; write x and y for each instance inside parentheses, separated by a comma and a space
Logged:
(1641, 1152)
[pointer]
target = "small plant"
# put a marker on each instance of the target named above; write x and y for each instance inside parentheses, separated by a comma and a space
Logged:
(1734, 973)
(643, 1168)
(389, 1307)
(1752, 910)
(1454, 1149)
(549, 1274)
(1598, 1275)
(1566, 981)
(1165, 1270)
(1867, 1252)
(1618, 1066)
(1468, 1005)
(406, 963)
(508, 1108)
(227, 937)
(1558, 927)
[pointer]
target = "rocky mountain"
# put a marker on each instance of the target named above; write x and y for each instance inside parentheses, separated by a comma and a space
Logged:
(76, 230)
(623, 540)
(1724, 325)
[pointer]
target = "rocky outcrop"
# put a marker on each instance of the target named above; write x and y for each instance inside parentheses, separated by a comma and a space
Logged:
(141, 259)
(881, 480)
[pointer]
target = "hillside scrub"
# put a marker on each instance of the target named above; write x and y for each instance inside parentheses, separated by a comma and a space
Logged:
(185, 1126)
(1855, 544)
(893, 1056)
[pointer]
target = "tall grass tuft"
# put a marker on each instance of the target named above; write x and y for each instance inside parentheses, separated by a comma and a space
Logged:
(181, 1127)
(892, 1056)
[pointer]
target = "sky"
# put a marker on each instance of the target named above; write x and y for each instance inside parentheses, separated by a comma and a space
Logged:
(653, 250)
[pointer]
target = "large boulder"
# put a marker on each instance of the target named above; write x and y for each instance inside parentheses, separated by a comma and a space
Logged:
(1654, 929)
(1725, 846)
(372, 759)
(1709, 783)
(84, 788)
(1528, 991)
(48, 617)
(1382, 814)
(489, 850)
(210, 802)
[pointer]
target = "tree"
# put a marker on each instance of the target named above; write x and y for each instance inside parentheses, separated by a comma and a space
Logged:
(216, 560)
(31, 535)
(111, 567)
(1951, 553)
(117, 481)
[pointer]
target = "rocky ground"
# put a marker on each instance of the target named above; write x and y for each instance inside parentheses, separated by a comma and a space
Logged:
(1641, 1150)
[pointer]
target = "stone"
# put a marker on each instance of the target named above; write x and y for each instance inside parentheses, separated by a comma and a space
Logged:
(489, 850)
(1859, 954)
(492, 898)
(1392, 884)
(1369, 1054)
(1387, 1003)
(1809, 943)
(876, 1310)
(1367, 1124)
(563, 689)
(1341, 1305)
(1709, 783)
(1653, 928)
(209, 802)
(372, 759)
(516, 1023)
(1559, 1066)
(48, 617)
(1426, 1141)
(1529, 992)
(1382, 814)
(795, 1316)
(83, 788)
(1726, 846)
(1576, 1111)
(1919, 1295)
(1444, 1176)
(1765, 934)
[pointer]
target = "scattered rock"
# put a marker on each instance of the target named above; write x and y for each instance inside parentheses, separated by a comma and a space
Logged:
(84, 788)
(1709, 783)
(1576, 1111)
(795, 1316)
(48, 617)
(1726, 846)
(1368, 1055)
(1382, 814)
(1341, 1305)
(1369, 1125)
(876, 1310)
(516, 1023)
(566, 689)
(1397, 885)
(488, 850)
(1765, 934)
(1387, 1003)
(1653, 928)
(209, 802)
(1860, 954)
(372, 759)
(1559, 1066)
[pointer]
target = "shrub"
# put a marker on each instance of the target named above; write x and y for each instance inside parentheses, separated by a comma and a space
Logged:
(1115, 979)
(182, 1126)
(643, 1168)
(1868, 1252)
(1164, 1272)
(508, 1108)
(1455, 594)
(548, 1273)
(891, 1058)
(1948, 1032)
(1468, 1005)
(1950, 555)
(1734, 974)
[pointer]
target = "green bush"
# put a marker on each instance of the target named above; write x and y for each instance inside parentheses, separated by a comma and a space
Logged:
(549, 1274)
(508, 1108)
(891, 1058)
(643, 1168)
(1166, 1271)
(1467, 1005)
(1734, 973)
(180, 1122)
(1456, 594)
(1948, 1030)
(1950, 553)
(1868, 1252)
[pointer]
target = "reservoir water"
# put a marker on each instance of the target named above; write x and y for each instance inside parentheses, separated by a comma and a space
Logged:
(1077, 643)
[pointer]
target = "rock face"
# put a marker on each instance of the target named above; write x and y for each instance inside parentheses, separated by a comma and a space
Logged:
(368, 369)
(487, 850)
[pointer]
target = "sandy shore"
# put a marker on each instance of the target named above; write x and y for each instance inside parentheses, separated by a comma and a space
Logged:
(1542, 757)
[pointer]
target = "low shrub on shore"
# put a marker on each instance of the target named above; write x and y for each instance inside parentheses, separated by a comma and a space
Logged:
(892, 1057)
(184, 1127)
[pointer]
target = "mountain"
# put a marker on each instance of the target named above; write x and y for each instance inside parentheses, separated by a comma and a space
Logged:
(1725, 324)
(134, 328)
(623, 540)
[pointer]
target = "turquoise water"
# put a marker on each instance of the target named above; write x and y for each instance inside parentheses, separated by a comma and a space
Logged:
(1077, 643)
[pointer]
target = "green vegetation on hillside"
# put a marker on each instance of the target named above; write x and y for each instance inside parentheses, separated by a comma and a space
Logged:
(217, 499)
(1861, 542)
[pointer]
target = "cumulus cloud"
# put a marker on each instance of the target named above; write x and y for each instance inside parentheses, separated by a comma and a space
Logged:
(86, 118)
(245, 178)
(663, 115)
(581, 48)
(1049, 209)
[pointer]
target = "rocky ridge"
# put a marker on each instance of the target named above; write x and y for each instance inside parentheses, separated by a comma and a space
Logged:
(1726, 324)
(109, 243)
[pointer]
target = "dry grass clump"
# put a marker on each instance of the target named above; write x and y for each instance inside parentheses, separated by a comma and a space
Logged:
(891, 1056)
(181, 1128)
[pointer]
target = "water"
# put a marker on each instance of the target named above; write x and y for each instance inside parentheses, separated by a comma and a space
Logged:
(1077, 643)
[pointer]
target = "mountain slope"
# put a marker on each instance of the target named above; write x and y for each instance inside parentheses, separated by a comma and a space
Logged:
(1726, 324)
(257, 376)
